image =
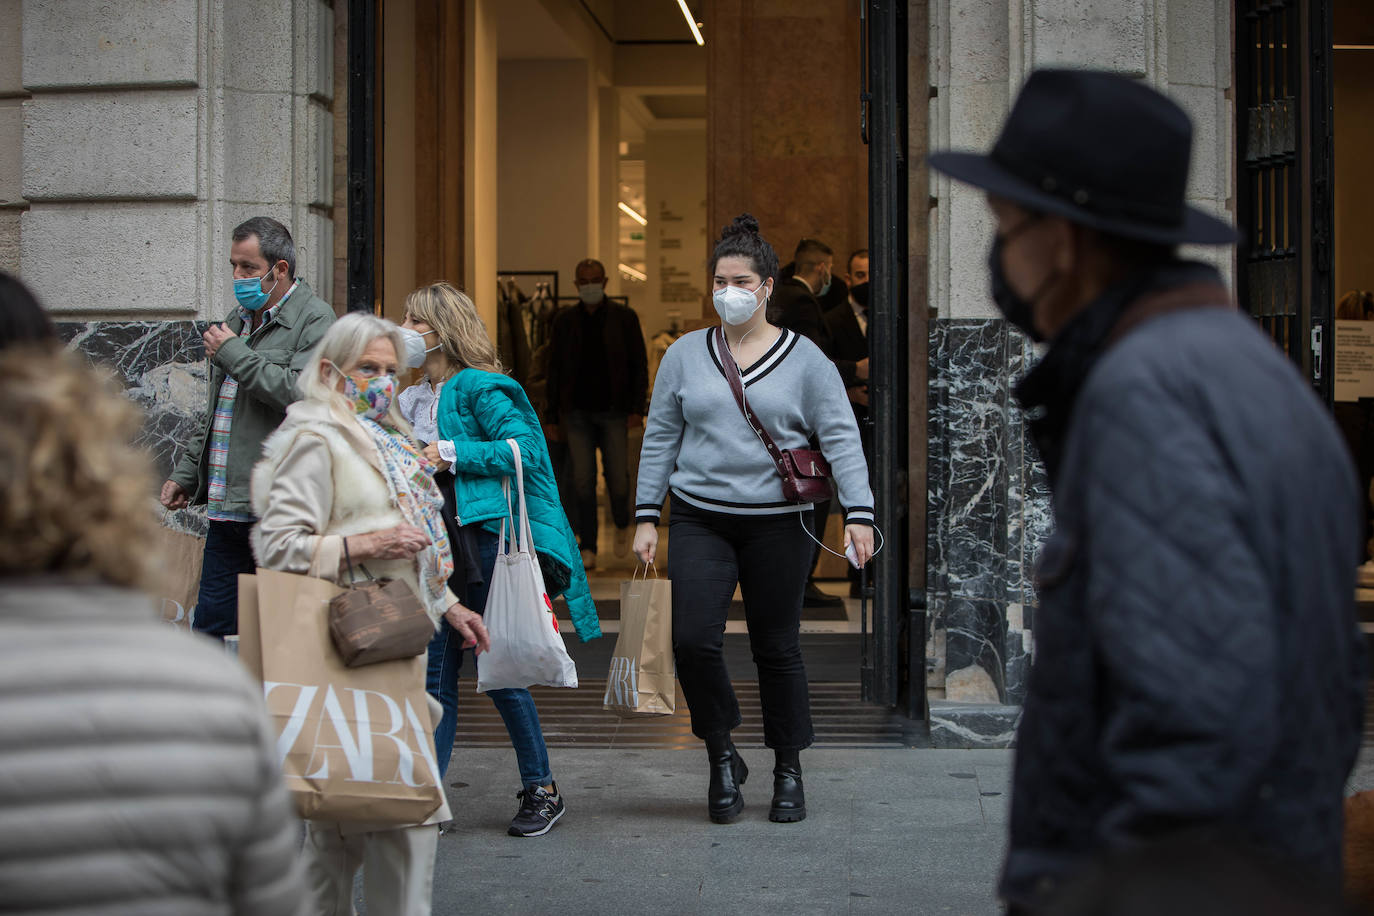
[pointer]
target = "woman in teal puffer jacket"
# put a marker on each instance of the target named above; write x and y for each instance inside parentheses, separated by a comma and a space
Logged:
(464, 431)
(478, 412)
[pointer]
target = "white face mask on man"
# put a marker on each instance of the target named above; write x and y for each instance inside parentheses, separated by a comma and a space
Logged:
(736, 305)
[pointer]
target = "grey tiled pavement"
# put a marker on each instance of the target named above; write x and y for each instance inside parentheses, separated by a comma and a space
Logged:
(888, 831)
(910, 831)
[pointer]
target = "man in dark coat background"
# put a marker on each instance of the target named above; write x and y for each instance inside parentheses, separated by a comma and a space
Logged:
(596, 392)
(795, 303)
(1198, 665)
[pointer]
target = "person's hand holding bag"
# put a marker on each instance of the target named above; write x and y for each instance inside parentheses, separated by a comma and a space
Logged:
(469, 625)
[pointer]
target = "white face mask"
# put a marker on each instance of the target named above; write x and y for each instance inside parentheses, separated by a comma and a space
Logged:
(591, 293)
(415, 347)
(735, 304)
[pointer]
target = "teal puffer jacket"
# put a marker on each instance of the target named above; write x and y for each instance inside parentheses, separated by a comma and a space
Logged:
(478, 412)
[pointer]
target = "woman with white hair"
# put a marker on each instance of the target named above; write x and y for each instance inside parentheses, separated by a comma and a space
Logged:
(341, 482)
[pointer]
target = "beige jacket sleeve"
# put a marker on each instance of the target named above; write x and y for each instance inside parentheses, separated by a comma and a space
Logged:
(299, 507)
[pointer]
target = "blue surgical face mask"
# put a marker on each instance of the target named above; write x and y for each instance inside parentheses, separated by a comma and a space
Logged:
(591, 293)
(250, 294)
(825, 287)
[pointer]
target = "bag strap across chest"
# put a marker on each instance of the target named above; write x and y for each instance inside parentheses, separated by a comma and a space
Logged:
(730, 370)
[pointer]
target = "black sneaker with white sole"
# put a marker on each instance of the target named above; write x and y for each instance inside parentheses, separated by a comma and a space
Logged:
(539, 810)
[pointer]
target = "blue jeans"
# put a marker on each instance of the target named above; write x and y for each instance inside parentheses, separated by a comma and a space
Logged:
(515, 705)
(227, 554)
(588, 430)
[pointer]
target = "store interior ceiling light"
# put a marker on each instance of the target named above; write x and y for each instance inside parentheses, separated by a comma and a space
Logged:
(691, 22)
(629, 271)
(633, 214)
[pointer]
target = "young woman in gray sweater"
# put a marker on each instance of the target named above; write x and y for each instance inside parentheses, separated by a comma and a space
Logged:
(730, 523)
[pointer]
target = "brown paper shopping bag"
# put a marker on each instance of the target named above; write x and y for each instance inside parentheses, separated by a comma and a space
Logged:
(178, 584)
(641, 680)
(355, 744)
(250, 630)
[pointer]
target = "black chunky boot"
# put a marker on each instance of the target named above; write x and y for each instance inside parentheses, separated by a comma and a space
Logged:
(789, 801)
(728, 772)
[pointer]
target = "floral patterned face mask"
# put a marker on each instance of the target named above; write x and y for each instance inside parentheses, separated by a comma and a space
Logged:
(372, 399)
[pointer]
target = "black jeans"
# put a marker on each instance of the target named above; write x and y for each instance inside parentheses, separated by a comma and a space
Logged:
(769, 556)
(228, 553)
(587, 431)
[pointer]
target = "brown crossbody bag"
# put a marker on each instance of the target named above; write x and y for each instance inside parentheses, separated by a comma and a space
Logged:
(805, 472)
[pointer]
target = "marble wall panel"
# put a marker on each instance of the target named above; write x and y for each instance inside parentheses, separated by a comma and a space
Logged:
(162, 365)
(988, 512)
(975, 431)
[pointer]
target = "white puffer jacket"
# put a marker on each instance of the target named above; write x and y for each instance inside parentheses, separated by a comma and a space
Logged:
(138, 771)
(319, 481)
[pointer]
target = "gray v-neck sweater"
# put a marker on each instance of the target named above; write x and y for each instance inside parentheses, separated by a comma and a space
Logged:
(697, 442)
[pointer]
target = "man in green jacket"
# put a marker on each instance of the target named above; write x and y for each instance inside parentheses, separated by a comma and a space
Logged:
(255, 358)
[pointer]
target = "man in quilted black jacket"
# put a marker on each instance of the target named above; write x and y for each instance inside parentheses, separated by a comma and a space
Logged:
(1198, 662)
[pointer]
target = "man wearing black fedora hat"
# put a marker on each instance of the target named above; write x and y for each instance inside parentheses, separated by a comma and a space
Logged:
(1198, 661)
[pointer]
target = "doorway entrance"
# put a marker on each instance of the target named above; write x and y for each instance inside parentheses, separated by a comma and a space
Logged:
(497, 144)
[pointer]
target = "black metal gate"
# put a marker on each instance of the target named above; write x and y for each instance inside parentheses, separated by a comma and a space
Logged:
(884, 127)
(1283, 199)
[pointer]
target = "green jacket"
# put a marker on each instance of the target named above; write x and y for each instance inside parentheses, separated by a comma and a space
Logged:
(266, 365)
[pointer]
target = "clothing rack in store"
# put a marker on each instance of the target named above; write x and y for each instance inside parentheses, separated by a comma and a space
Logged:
(528, 308)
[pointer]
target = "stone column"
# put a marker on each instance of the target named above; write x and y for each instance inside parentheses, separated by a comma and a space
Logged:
(988, 500)
(147, 136)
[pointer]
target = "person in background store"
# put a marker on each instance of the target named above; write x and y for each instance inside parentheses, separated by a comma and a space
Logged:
(848, 329)
(22, 320)
(1198, 660)
(795, 305)
(447, 338)
(598, 382)
(730, 524)
(256, 356)
(138, 769)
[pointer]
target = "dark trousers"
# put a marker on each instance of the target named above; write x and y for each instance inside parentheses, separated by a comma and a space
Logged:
(816, 520)
(769, 557)
(587, 431)
(227, 554)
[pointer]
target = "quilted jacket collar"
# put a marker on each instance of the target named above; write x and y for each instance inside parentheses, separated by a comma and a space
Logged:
(1049, 390)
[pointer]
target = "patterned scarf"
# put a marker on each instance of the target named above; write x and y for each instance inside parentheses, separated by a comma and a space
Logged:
(411, 481)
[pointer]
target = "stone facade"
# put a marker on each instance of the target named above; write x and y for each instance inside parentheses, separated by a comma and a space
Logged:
(988, 501)
(134, 136)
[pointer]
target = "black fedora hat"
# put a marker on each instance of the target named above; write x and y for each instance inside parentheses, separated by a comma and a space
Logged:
(1098, 149)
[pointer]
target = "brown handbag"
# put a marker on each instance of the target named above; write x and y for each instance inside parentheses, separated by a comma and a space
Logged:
(379, 620)
(805, 472)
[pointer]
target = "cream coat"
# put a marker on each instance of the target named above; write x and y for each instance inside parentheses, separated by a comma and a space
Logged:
(320, 480)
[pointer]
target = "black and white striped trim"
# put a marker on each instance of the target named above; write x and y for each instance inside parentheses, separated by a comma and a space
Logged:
(785, 344)
(860, 515)
(737, 508)
(648, 512)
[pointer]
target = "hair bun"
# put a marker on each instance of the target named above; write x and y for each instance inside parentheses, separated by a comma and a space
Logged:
(744, 224)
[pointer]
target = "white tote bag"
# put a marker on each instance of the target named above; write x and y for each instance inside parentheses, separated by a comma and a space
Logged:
(526, 648)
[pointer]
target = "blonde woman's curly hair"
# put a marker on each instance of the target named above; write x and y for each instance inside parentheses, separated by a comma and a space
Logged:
(462, 334)
(76, 499)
